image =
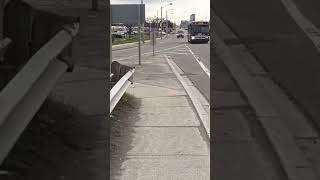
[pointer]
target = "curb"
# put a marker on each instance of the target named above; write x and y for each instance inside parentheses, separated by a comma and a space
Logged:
(202, 114)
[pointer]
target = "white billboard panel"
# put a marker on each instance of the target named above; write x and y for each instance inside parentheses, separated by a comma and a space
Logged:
(127, 13)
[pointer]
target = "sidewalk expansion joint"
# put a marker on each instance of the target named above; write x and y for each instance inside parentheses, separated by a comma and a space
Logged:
(169, 126)
(167, 155)
(163, 97)
(167, 107)
(156, 86)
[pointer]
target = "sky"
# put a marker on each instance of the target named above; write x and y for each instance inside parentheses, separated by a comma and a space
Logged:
(180, 10)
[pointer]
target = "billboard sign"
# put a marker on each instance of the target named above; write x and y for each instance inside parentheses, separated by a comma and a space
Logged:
(127, 14)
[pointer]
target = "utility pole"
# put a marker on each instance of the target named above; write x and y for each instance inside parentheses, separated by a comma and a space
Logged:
(157, 22)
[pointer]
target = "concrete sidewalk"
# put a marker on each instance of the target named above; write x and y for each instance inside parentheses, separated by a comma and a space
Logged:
(164, 140)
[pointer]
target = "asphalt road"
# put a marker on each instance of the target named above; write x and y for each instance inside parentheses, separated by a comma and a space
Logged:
(177, 49)
(272, 35)
(189, 65)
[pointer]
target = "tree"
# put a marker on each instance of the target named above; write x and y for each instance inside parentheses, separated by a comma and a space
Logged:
(154, 23)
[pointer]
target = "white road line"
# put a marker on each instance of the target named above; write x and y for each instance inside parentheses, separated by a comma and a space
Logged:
(128, 57)
(184, 50)
(306, 25)
(205, 69)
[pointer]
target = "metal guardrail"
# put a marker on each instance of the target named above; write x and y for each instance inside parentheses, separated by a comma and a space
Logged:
(120, 88)
(22, 97)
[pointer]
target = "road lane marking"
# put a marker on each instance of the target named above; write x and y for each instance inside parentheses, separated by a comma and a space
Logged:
(204, 68)
(305, 24)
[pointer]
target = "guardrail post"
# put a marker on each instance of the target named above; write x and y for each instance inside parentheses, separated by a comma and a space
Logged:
(118, 70)
(66, 56)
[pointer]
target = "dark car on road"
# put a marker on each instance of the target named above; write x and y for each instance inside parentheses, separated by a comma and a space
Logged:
(180, 34)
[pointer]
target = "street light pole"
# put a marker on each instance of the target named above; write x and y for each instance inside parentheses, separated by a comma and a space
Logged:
(161, 17)
(166, 23)
(150, 28)
(161, 24)
(139, 34)
(142, 26)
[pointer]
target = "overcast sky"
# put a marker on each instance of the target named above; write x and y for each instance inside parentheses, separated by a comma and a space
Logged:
(182, 9)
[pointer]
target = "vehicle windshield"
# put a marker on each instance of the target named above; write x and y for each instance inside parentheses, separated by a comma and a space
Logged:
(181, 32)
(199, 29)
